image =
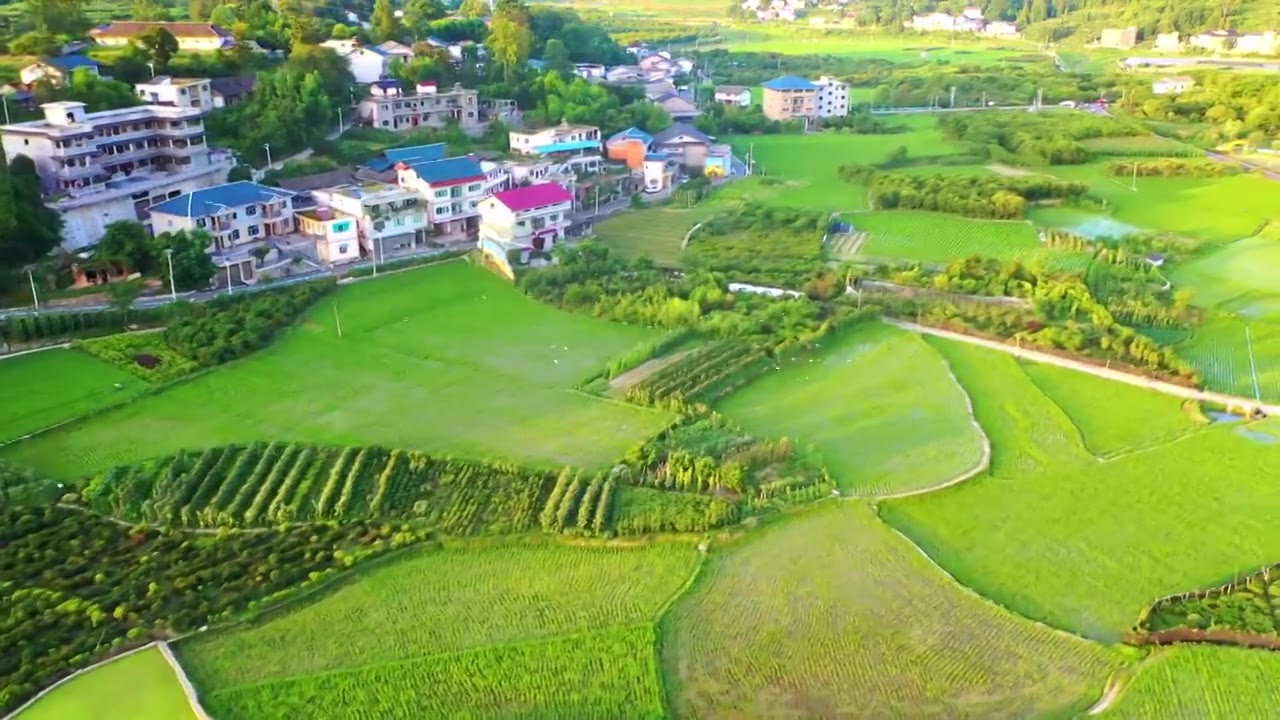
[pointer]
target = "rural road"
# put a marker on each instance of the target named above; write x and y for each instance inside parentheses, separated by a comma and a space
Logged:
(1102, 372)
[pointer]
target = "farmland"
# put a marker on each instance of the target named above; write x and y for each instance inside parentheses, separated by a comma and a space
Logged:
(414, 348)
(1083, 559)
(478, 596)
(1242, 271)
(1219, 349)
(872, 441)
(1081, 222)
(46, 388)
(830, 614)
(141, 686)
(939, 238)
(1188, 682)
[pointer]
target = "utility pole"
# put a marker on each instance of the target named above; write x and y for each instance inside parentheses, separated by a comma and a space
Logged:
(5, 100)
(984, 98)
(173, 289)
(228, 278)
(337, 319)
(339, 121)
(1133, 185)
(373, 253)
(34, 297)
(597, 211)
(953, 96)
(267, 147)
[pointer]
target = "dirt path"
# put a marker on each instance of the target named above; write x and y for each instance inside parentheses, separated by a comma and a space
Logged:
(188, 689)
(1106, 373)
(1009, 170)
(637, 374)
(1109, 695)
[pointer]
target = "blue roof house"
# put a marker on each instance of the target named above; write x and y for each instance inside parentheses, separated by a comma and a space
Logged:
(790, 98)
(58, 69)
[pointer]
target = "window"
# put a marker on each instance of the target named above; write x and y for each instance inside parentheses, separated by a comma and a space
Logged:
(553, 217)
(341, 227)
(251, 210)
(442, 193)
(343, 248)
(201, 222)
(474, 187)
(235, 234)
(254, 230)
(400, 221)
(417, 218)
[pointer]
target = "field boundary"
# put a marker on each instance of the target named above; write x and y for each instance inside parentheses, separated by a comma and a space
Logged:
(684, 244)
(188, 689)
(13, 715)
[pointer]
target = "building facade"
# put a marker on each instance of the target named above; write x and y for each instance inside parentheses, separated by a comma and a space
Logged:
(190, 35)
(832, 98)
(734, 95)
(790, 98)
(190, 93)
(239, 217)
(1119, 38)
(575, 147)
(390, 220)
(452, 189)
(525, 219)
(392, 110)
(58, 70)
(98, 168)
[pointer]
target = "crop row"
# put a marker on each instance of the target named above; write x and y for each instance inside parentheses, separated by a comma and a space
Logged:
(695, 373)
(578, 506)
(271, 483)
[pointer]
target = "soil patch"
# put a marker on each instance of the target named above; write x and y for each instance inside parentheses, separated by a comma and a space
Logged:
(623, 382)
(146, 360)
(1009, 170)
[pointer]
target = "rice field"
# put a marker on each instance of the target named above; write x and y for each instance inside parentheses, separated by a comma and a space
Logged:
(1059, 537)
(877, 407)
(1218, 210)
(940, 238)
(1191, 682)
(45, 388)
(140, 686)
(445, 359)
(434, 603)
(830, 614)
(1129, 418)
(1243, 270)
(1220, 350)
(1082, 222)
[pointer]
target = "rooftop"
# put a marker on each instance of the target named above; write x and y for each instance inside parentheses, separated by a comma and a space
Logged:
(679, 130)
(631, 133)
(139, 112)
(567, 146)
(412, 154)
(532, 196)
(449, 170)
(372, 191)
(332, 178)
(732, 89)
(219, 198)
(175, 82)
(130, 28)
(70, 62)
(790, 82)
(235, 85)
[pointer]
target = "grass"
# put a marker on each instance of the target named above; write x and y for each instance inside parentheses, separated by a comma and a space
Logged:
(1241, 270)
(940, 238)
(1219, 210)
(1129, 418)
(611, 673)
(830, 614)
(475, 598)
(141, 686)
(1220, 351)
(861, 44)
(445, 359)
(49, 387)
(1082, 545)
(1201, 681)
(878, 407)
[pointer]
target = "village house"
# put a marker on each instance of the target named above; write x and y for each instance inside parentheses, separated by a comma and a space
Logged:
(575, 146)
(794, 98)
(660, 172)
(397, 51)
(1168, 42)
(367, 63)
(57, 70)
(679, 108)
(1264, 43)
(229, 91)
(629, 147)
(1213, 40)
(388, 107)
(390, 220)
(191, 93)
(693, 149)
(1001, 29)
(589, 71)
(241, 217)
(1119, 38)
(190, 35)
(336, 234)
(655, 90)
(97, 168)
(452, 189)
(525, 219)
(733, 95)
(1173, 85)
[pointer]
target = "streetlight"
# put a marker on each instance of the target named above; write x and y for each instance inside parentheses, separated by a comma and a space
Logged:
(5, 100)
(267, 146)
(339, 121)
(173, 289)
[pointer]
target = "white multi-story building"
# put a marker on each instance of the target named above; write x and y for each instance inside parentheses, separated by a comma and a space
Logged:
(387, 107)
(452, 189)
(239, 216)
(832, 99)
(336, 234)
(98, 168)
(527, 219)
(389, 219)
(367, 63)
(190, 93)
(576, 147)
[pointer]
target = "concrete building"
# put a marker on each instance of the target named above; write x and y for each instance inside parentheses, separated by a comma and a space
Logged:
(1213, 40)
(97, 168)
(1001, 29)
(190, 93)
(336, 234)
(387, 107)
(229, 91)
(687, 146)
(1119, 38)
(241, 217)
(660, 172)
(1173, 85)
(832, 99)
(576, 146)
(190, 35)
(790, 98)
(1169, 42)
(58, 70)
(1264, 43)
(629, 147)
(452, 189)
(390, 220)
(679, 108)
(525, 219)
(734, 95)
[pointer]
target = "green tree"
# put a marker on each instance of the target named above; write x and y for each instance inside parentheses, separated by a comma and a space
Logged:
(96, 92)
(148, 11)
(474, 9)
(383, 21)
(56, 17)
(556, 57)
(35, 43)
(334, 72)
(28, 229)
(126, 243)
(160, 45)
(199, 10)
(510, 41)
(419, 14)
(193, 269)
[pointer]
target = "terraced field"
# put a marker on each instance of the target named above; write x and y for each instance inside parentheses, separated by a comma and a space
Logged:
(1191, 682)
(830, 614)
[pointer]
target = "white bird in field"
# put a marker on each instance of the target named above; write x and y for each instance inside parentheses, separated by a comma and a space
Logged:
(556, 361)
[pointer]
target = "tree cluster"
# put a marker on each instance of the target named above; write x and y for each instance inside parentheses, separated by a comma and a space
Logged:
(1173, 168)
(554, 99)
(1045, 138)
(1001, 198)
(28, 229)
(762, 244)
(230, 327)
(288, 110)
(1236, 106)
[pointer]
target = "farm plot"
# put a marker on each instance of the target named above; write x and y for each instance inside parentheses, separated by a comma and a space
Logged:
(434, 603)
(1190, 682)
(416, 350)
(1055, 535)
(45, 388)
(1082, 222)
(607, 674)
(878, 408)
(141, 686)
(1140, 146)
(1220, 352)
(830, 614)
(1112, 417)
(1245, 268)
(939, 238)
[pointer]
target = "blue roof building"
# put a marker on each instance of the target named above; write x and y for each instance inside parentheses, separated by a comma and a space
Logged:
(408, 155)
(789, 82)
(219, 199)
(450, 171)
(68, 63)
(631, 133)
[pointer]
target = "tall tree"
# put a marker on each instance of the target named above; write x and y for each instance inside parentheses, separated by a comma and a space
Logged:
(193, 269)
(160, 45)
(28, 229)
(56, 16)
(556, 57)
(474, 8)
(148, 11)
(200, 9)
(335, 73)
(419, 14)
(510, 41)
(125, 243)
(383, 21)
(96, 92)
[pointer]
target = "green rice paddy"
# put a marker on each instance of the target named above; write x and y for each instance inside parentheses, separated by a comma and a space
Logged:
(939, 238)
(1201, 681)
(45, 388)
(1244, 270)
(141, 686)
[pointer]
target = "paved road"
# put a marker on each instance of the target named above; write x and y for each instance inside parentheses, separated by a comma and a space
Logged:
(926, 110)
(1269, 173)
(1102, 372)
